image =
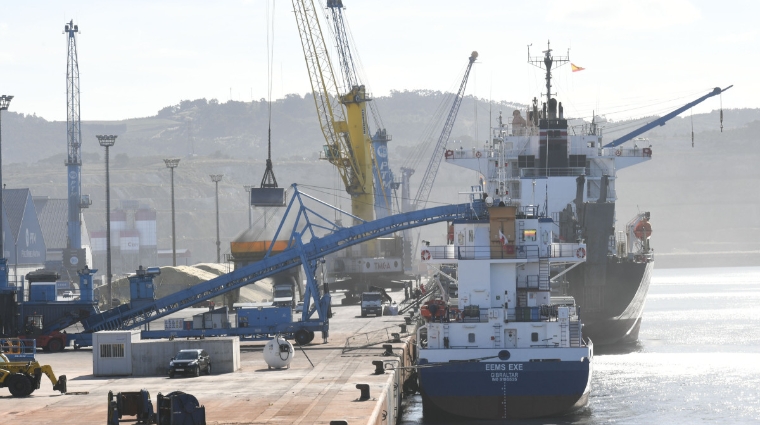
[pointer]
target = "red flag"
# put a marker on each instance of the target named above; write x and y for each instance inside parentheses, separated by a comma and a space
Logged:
(576, 68)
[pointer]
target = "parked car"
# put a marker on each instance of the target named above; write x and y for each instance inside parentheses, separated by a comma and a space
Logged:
(191, 362)
(299, 307)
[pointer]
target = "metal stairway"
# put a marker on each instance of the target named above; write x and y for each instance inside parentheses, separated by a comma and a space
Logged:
(575, 334)
(543, 274)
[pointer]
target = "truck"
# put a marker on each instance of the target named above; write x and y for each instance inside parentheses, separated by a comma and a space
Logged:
(284, 291)
(372, 303)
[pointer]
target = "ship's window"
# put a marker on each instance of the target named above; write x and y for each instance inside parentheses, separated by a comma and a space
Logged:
(526, 161)
(534, 336)
(529, 235)
(577, 161)
(471, 337)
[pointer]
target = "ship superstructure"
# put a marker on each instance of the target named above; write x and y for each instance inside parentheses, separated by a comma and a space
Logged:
(504, 348)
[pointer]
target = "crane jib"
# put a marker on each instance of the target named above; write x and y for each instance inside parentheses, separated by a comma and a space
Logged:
(662, 120)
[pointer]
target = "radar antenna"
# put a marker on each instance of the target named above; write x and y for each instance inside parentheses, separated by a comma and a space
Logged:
(546, 63)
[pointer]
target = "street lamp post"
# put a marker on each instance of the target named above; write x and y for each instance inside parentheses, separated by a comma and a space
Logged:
(216, 178)
(171, 164)
(248, 189)
(4, 102)
(107, 142)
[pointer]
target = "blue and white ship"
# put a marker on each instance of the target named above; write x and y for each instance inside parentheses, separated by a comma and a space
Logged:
(504, 348)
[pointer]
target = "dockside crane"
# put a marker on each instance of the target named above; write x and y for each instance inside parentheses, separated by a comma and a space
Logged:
(74, 255)
(342, 116)
(428, 178)
(426, 185)
(383, 177)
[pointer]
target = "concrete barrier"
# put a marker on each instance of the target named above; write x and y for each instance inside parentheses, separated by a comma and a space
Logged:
(151, 357)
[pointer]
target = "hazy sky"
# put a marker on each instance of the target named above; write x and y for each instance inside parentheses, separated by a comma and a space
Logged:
(136, 57)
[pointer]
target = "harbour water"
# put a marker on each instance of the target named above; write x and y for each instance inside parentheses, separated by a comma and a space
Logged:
(697, 360)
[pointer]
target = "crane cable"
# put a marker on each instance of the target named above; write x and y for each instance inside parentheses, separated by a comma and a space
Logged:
(721, 112)
(269, 179)
(692, 126)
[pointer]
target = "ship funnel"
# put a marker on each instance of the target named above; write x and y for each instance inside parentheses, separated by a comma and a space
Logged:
(552, 109)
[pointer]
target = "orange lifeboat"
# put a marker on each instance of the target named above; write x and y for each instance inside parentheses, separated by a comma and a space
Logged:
(643, 230)
(433, 310)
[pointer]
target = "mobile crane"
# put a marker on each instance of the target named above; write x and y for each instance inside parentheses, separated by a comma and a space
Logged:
(343, 118)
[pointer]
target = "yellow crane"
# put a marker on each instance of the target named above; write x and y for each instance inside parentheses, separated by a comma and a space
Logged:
(342, 116)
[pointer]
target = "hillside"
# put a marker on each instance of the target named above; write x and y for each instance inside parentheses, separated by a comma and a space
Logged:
(701, 197)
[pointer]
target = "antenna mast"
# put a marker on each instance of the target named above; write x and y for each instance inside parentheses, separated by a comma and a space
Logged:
(546, 63)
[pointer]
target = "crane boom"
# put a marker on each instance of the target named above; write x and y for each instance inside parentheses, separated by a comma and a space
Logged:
(662, 120)
(423, 193)
(345, 130)
(345, 58)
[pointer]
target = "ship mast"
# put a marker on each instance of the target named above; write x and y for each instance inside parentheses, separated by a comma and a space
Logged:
(546, 62)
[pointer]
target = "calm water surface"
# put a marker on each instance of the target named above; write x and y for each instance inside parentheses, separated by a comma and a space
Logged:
(697, 361)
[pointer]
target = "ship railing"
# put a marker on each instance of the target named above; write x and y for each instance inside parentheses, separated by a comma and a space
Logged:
(567, 250)
(636, 151)
(490, 252)
(552, 172)
(533, 282)
(499, 251)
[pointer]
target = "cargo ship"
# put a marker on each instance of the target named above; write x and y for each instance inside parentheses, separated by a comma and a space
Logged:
(568, 175)
(504, 348)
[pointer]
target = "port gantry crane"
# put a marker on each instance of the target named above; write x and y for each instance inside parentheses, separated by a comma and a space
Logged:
(74, 255)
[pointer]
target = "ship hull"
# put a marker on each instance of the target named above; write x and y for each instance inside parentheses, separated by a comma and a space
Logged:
(479, 390)
(612, 309)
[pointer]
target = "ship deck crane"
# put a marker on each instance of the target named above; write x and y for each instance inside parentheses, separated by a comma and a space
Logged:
(662, 120)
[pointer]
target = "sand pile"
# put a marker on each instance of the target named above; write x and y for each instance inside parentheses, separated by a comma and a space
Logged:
(215, 268)
(175, 279)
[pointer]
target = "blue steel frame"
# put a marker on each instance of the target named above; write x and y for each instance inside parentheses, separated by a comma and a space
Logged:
(305, 248)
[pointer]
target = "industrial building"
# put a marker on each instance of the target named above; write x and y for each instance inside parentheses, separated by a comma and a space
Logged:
(133, 239)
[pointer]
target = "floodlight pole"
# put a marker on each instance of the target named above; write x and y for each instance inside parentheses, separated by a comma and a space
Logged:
(107, 142)
(216, 178)
(171, 164)
(5, 101)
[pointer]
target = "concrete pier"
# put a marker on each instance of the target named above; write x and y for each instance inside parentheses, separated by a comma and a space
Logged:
(324, 383)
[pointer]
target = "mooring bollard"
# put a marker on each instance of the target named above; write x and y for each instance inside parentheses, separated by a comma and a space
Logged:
(364, 388)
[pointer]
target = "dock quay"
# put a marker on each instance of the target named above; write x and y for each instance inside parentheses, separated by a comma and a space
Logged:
(333, 382)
